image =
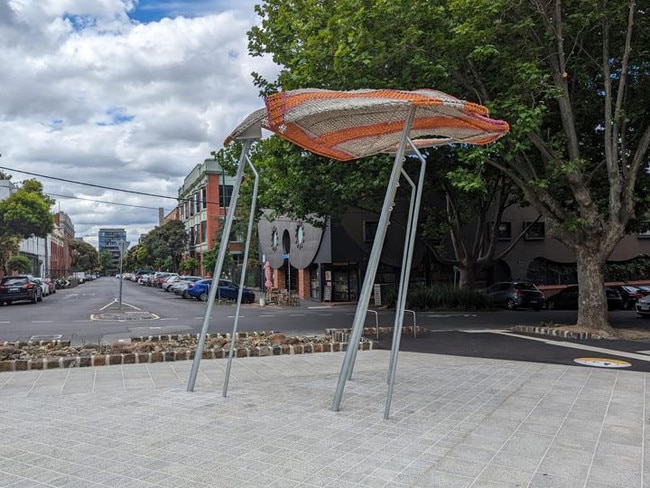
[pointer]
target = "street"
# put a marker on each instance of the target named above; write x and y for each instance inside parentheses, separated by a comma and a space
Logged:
(71, 314)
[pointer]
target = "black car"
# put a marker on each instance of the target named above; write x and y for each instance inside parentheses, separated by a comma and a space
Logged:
(20, 288)
(515, 294)
(631, 294)
(567, 299)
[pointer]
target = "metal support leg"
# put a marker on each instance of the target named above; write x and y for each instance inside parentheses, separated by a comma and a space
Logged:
(249, 234)
(402, 288)
(218, 265)
(406, 273)
(373, 263)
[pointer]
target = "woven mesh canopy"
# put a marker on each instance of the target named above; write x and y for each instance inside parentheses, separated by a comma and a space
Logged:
(348, 125)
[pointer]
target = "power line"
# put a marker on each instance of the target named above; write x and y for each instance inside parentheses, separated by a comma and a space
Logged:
(90, 184)
(102, 201)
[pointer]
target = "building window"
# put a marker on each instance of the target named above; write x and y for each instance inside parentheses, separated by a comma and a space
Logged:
(535, 232)
(504, 232)
(204, 230)
(197, 202)
(204, 197)
(369, 230)
(225, 194)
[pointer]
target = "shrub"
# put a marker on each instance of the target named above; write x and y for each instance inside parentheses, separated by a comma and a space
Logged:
(439, 297)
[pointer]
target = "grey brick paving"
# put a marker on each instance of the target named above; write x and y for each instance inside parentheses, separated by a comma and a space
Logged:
(455, 422)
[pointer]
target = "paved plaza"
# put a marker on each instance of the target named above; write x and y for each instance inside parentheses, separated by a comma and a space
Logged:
(455, 422)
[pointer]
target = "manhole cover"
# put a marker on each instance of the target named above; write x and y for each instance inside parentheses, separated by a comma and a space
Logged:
(603, 362)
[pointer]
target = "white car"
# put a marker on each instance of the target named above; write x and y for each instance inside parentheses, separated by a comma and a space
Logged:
(642, 306)
(45, 289)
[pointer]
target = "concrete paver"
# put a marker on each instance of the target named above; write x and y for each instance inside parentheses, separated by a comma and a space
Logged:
(455, 422)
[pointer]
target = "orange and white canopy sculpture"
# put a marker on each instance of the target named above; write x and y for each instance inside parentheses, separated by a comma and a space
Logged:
(346, 125)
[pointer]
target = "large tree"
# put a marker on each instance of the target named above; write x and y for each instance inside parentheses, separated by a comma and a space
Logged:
(306, 186)
(84, 257)
(9, 246)
(166, 244)
(26, 212)
(570, 77)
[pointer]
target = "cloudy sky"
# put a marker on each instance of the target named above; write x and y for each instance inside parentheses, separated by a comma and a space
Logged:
(124, 94)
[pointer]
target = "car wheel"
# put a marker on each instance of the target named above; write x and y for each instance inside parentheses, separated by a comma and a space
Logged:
(203, 297)
(34, 299)
(550, 305)
(510, 304)
(184, 294)
(39, 298)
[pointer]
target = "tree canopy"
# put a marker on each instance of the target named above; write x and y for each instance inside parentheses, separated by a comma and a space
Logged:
(164, 246)
(26, 212)
(571, 78)
(84, 256)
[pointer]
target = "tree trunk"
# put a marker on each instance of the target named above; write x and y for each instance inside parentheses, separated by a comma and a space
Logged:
(466, 276)
(592, 303)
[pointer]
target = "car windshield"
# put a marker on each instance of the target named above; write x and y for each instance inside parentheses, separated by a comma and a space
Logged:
(14, 281)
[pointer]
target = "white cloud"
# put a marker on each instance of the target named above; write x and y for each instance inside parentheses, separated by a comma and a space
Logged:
(90, 95)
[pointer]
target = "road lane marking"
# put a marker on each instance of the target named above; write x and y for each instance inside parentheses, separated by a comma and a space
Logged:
(584, 347)
(42, 321)
(170, 318)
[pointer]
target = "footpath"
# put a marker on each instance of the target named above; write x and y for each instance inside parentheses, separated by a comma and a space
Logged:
(455, 422)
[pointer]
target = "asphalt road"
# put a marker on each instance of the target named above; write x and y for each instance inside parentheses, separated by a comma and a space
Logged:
(504, 344)
(71, 314)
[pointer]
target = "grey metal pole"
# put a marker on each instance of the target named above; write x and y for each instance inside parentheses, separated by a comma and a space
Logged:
(121, 279)
(249, 234)
(373, 263)
(218, 265)
(401, 294)
(399, 322)
(122, 245)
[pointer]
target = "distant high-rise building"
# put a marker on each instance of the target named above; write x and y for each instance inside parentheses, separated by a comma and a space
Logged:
(108, 239)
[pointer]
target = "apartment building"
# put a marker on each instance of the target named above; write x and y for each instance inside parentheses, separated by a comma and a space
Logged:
(204, 199)
(108, 239)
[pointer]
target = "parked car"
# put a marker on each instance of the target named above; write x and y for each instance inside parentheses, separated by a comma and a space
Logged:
(45, 289)
(145, 279)
(50, 285)
(515, 294)
(160, 277)
(567, 299)
(20, 288)
(180, 287)
(642, 306)
(227, 290)
(631, 294)
(169, 281)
